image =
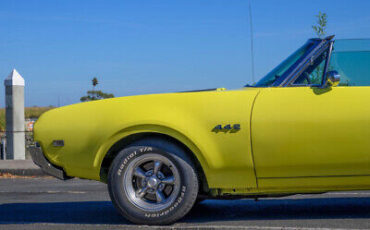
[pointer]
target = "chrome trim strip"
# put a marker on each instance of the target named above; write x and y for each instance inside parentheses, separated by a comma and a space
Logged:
(301, 66)
(306, 64)
(360, 175)
(327, 63)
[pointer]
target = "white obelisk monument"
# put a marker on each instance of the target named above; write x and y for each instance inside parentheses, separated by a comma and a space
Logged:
(14, 115)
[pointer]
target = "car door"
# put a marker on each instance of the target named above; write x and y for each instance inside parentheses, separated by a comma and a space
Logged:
(305, 133)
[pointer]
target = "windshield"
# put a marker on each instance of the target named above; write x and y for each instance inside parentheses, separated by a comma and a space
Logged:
(286, 65)
(351, 58)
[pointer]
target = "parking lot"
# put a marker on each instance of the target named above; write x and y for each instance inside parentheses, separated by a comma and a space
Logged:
(46, 203)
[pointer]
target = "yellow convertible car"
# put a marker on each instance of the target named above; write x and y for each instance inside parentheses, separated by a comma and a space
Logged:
(300, 129)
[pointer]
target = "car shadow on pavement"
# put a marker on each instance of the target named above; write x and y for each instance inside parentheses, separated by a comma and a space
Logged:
(280, 209)
(103, 212)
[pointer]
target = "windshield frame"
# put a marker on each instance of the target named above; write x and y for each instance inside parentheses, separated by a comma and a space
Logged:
(317, 46)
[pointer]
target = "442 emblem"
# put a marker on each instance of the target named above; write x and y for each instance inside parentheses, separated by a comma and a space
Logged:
(227, 128)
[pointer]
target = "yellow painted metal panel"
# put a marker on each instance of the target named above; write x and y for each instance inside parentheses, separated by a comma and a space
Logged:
(302, 131)
(90, 129)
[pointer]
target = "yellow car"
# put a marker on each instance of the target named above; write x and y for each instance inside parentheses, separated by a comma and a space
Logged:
(298, 130)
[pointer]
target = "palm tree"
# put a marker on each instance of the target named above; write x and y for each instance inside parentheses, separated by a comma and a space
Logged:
(94, 82)
(95, 94)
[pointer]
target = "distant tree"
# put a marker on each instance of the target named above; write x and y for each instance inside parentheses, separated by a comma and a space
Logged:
(94, 82)
(320, 28)
(93, 94)
(320, 31)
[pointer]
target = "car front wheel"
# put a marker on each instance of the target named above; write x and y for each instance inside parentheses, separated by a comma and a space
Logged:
(153, 182)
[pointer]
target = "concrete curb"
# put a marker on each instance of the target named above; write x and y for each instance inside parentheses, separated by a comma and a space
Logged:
(20, 168)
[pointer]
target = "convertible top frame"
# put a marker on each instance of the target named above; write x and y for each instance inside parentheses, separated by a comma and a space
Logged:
(320, 46)
(323, 45)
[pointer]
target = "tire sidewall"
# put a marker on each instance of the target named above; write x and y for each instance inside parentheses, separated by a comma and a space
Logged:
(134, 213)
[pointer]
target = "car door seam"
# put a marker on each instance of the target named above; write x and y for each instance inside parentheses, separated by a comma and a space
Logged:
(250, 138)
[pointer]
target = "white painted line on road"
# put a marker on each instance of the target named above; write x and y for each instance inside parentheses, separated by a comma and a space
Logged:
(50, 192)
(71, 192)
(76, 192)
(349, 193)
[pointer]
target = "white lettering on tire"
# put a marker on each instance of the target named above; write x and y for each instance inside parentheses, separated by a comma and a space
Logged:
(130, 156)
(171, 208)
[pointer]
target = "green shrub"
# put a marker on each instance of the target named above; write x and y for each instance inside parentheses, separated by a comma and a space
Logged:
(29, 112)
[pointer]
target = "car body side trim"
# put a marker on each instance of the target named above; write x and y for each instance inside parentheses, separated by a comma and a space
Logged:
(313, 176)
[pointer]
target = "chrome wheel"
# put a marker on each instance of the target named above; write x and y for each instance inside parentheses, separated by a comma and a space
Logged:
(151, 182)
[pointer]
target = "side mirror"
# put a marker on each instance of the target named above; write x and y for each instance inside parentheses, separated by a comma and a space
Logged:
(332, 79)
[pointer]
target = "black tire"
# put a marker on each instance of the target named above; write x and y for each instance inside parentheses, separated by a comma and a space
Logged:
(181, 201)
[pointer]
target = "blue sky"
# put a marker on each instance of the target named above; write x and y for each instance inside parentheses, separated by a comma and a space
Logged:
(154, 46)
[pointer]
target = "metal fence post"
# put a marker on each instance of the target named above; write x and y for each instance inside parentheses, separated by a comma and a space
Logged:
(3, 149)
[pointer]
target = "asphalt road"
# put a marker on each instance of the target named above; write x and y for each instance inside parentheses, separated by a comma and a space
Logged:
(45, 203)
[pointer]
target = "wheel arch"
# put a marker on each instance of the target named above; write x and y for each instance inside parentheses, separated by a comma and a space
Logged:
(197, 159)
